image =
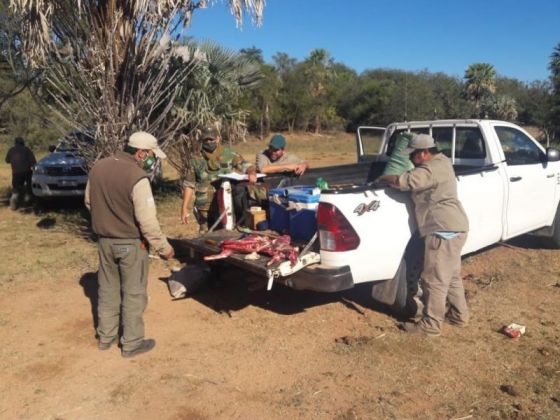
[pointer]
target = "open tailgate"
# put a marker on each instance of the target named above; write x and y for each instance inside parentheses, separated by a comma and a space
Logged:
(209, 244)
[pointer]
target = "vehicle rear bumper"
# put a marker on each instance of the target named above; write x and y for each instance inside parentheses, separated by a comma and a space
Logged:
(319, 279)
(316, 277)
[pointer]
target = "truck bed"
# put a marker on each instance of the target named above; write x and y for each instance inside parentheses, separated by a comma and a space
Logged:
(340, 175)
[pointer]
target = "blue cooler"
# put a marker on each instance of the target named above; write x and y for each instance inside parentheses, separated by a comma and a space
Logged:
(303, 224)
(278, 216)
(303, 220)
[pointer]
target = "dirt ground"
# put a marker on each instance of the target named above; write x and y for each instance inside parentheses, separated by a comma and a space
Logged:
(232, 352)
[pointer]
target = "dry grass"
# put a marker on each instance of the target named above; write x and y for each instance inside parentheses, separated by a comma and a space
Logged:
(228, 353)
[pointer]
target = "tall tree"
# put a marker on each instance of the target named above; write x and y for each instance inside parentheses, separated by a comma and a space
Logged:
(554, 67)
(480, 84)
(319, 74)
(112, 65)
(291, 93)
(263, 97)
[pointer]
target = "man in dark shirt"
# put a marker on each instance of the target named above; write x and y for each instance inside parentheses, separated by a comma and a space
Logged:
(22, 160)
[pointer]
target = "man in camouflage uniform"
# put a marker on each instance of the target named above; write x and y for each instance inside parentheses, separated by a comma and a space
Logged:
(202, 178)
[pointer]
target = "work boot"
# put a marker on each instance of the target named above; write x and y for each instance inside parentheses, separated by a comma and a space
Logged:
(144, 347)
(416, 328)
(452, 317)
(106, 346)
(14, 201)
(455, 322)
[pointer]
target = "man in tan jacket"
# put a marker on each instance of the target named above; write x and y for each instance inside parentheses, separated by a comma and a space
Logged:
(123, 215)
(443, 224)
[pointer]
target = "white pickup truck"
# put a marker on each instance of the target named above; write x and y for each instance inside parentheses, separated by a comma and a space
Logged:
(507, 182)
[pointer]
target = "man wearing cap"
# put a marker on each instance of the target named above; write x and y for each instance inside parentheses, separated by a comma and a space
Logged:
(443, 224)
(203, 175)
(275, 159)
(123, 215)
(22, 160)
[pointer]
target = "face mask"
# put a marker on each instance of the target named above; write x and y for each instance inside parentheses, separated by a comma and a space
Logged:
(148, 163)
(210, 146)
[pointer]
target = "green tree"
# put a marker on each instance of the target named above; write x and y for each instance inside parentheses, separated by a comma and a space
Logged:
(554, 114)
(318, 71)
(503, 107)
(480, 85)
(262, 99)
(292, 95)
(211, 95)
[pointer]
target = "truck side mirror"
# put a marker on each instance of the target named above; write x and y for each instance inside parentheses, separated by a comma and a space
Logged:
(52, 148)
(552, 155)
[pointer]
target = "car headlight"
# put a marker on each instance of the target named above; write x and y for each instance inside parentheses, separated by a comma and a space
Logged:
(40, 170)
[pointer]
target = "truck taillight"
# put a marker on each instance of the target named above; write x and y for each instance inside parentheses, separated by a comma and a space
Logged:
(335, 232)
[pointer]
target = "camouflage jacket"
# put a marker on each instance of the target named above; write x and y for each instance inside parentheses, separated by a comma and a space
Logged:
(205, 169)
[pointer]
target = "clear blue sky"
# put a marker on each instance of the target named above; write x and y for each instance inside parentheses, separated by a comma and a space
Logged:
(516, 36)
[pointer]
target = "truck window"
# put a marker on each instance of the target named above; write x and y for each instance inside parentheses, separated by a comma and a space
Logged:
(518, 148)
(469, 143)
(371, 141)
(393, 139)
(443, 136)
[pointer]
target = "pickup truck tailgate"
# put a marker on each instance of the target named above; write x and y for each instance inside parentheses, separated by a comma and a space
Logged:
(209, 244)
(306, 274)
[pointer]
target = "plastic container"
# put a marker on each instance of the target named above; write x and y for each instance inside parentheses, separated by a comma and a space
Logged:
(303, 224)
(301, 200)
(293, 210)
(278, 216)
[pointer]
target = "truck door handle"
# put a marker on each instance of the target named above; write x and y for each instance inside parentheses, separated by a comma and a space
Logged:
(515, 178)
(550, 176)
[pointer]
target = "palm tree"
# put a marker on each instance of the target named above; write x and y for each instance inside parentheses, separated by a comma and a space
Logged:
(480, 83)
(210, 95)
(554, 113)
(318, 73)
(111, 63)
(554, 67)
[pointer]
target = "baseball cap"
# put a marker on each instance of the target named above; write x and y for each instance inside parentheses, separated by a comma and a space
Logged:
(419, 141)
(145, 141)
(278, 141)
(209, 132)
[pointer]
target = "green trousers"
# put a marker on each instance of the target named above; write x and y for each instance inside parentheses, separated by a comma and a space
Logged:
(123, 279)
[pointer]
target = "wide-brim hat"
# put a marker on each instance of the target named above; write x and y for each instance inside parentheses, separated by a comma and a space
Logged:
(145, 141)
(419, 142)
